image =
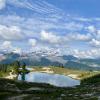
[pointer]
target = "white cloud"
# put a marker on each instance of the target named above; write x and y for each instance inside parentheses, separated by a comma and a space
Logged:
(95, 32)
(95, 42)
(17, 50)
(15, 27)
(73, 26)
(83, 36)
(80, 54)
(97, 35)
(49, 37)
(6, 45)
(32, 42)
(91, 29)
(2, 4)
(62, 40)
(82, 19)
(78, 36)
(10, 33)
(98, 32)
(86, 54)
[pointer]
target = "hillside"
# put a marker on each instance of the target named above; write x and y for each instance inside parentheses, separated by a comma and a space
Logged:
(11, 90)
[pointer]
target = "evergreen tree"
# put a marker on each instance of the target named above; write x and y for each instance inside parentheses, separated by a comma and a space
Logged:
(23, 66)
(16, 66)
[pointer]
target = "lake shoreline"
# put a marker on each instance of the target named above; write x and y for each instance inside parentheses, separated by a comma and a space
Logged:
(45, 70)
(74, 74)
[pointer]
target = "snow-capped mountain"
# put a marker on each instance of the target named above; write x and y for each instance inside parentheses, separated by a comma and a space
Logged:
(48, 58)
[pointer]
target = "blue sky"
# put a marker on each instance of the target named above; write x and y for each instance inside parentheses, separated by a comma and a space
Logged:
(66, 26)
(86, 8)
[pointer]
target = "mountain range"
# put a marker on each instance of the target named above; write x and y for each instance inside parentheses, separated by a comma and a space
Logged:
(51, 59)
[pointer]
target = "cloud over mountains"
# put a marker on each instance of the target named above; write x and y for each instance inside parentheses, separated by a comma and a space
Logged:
(28, 24)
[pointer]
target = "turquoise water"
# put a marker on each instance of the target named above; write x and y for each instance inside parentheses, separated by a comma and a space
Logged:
(53, 79)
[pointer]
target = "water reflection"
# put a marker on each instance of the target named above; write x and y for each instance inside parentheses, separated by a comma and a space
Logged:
(53, 79)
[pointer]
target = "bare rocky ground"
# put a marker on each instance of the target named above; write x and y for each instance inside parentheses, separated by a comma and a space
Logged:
(18, 90)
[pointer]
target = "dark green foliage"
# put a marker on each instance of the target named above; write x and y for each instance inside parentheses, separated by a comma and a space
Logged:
(16, 65)
(6, 67)
(23, 70)
(23, 66)
(93, 79)
(3, 67)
